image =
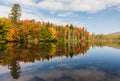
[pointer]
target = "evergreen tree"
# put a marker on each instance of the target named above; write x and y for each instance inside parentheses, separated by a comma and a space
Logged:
(15, 13)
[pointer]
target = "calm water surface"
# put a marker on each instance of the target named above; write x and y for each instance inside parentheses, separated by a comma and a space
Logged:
(51, 62)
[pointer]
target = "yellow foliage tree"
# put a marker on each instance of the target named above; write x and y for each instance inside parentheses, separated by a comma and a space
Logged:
(53, 32)
(13, 34)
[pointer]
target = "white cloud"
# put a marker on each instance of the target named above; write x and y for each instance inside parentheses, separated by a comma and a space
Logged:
(51, 4)
(113, 2)
(90, 6)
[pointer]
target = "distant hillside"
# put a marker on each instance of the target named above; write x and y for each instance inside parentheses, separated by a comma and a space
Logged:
(116, 47)
(115, 33)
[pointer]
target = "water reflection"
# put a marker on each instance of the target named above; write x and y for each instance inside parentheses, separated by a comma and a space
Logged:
(14, 68)
(88, 68)
(13, 53)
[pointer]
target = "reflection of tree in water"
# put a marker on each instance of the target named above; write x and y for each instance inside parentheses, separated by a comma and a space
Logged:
(13, 62)
(43, 51)
(14, 69)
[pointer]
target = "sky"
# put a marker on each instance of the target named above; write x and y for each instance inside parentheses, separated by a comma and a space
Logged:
(97, 16)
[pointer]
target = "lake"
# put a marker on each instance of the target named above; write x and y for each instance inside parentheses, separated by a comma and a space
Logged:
(59, 62)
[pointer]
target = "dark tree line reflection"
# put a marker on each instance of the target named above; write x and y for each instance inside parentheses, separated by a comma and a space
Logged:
(13, 53)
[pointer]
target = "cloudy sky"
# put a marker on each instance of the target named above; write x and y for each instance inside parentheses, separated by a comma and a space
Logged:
(98, 16)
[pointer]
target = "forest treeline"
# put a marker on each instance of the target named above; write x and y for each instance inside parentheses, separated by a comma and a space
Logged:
(102, 38)
(40, 31)
(13, 29)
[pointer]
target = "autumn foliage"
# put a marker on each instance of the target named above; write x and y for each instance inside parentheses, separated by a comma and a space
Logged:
(27, 30)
